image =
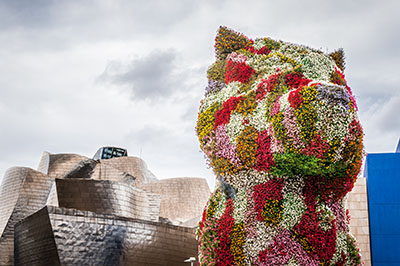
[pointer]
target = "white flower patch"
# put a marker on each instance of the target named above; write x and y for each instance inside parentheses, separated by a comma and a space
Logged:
(292, 262)
(267, 63)
(235, 127)
(259, 119)
(259, 43)
(317, 66)
(220, 207)
(265, 235)
(341, 247)
(284, 102)
(332, 120)
(220, 96)
(239, 206)
(293, 185)
(325, 215)
(293, 50)
(293, 209)
(247, 179)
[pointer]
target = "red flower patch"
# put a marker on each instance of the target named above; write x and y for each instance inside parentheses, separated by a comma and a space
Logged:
(267, 85)
(271, 190)
(315, 240)
(225, 226)
(264, 159)
(296, 80)
(295, 99)
(224, 115)
(238, 72)
(317, 147)
(262, 50)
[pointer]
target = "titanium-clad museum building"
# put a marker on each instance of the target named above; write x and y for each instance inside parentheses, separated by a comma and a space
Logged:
(74, 210)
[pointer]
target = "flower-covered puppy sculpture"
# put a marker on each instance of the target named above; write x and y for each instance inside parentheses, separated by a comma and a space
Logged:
(278, 126)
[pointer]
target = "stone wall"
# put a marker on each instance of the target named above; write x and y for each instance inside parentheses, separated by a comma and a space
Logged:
(357, 203)
(87, 238)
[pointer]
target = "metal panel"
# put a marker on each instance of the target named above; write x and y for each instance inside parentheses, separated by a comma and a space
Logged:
(176, 194)
(108, 197)
(87, 238)
(24, 191)
(383, 183)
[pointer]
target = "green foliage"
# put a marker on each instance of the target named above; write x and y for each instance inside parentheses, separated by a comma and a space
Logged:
(293, 164)
(271, 44)
(354, 256)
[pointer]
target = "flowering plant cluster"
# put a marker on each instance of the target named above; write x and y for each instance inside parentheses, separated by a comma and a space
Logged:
(279, 127)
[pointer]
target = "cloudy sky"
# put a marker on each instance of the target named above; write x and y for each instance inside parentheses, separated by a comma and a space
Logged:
(78, 75)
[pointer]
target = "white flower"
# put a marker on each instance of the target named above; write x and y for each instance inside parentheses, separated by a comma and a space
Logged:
(284, 102)
(239, 206)
(259, 118)
(259, 43)
(220, 207)
(293, 209)
(317, 66)
(235, 127)
(220, 96)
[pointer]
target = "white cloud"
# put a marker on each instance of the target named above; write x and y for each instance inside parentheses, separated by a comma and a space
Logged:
(54, 51)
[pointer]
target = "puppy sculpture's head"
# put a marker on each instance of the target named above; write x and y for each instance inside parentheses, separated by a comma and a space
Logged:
(279, 109)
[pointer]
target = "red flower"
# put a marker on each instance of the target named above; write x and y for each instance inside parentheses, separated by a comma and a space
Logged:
(296, 80)
(267, 85)
(295, 99)
(262, 50)
(264, 159)
(224, 115)
(271, 190)
(225, 226)
(238, 72)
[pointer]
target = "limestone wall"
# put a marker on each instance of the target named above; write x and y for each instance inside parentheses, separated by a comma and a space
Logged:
(357, 203)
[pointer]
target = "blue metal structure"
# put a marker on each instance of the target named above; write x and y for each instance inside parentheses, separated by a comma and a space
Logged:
(383, 185)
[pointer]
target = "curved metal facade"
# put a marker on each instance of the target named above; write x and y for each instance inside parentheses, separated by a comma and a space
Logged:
(106, 212)
(24, 191)
(108, 197)
(86, 238)
(176, 193)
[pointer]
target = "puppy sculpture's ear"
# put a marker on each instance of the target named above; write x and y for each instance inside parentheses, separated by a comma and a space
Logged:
(338, 57)
(228, 40)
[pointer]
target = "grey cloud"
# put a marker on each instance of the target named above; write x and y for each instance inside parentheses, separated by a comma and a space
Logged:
(62, 23)
(387, 117)
(151, 77)
(25, 13)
